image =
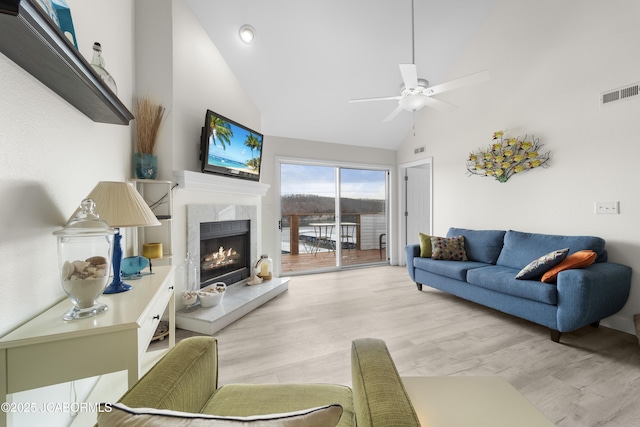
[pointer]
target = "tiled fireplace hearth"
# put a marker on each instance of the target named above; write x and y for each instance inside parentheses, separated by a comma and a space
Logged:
(239, 298)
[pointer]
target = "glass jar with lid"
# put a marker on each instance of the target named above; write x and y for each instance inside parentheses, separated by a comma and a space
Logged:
(264, 267)
(85, 245)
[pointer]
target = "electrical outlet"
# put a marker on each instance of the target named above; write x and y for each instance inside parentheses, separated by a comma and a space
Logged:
(606, 208)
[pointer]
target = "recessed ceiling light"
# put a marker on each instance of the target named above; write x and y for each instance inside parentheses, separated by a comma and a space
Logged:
(247, 33)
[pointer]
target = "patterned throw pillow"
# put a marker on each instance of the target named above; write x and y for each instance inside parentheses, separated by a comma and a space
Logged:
(538, 267)
(120, 415)
(448, 248)
(425, 245)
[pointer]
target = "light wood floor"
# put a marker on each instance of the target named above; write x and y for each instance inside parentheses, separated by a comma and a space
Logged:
(592, 378)
(309, 261)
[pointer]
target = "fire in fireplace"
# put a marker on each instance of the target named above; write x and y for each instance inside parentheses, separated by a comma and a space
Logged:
(224, 252)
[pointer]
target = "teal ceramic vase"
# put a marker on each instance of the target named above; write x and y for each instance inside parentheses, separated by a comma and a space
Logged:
(146, 165)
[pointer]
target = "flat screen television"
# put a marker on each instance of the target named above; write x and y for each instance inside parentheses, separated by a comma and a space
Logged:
(229, 148)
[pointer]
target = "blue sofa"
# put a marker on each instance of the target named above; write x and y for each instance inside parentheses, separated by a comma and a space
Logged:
(580, 297)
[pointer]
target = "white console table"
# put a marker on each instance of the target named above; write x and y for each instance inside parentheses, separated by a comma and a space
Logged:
(48, 350)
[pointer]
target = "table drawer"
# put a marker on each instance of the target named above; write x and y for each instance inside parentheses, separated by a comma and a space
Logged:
(152, 318)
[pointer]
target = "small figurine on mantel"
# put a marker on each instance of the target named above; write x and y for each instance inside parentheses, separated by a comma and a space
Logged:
(254, 279)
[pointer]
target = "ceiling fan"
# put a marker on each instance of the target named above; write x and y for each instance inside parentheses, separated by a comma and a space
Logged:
(416, 93)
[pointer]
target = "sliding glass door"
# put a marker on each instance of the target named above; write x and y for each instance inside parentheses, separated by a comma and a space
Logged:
(331, 217)
(363, 216)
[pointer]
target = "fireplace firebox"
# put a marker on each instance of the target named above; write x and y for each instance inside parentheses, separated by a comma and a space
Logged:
(225, 252)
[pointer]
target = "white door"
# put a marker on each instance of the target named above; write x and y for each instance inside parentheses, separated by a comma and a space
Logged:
(418, 202)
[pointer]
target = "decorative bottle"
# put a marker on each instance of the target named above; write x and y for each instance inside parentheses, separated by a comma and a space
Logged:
(264, 267)
(98, 64)
(190, 276)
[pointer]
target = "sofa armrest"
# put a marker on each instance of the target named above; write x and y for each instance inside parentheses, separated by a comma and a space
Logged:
(411, 252)
(379, 396)
(590, 294)
(183, 380)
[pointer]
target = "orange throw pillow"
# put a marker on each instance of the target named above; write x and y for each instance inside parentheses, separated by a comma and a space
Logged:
(578, 260)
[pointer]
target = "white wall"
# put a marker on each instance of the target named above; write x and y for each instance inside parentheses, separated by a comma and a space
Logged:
(549, 61)
(179, 67)
(51, 157)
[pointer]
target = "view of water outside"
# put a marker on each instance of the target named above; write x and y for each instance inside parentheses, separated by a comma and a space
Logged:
(308, 195)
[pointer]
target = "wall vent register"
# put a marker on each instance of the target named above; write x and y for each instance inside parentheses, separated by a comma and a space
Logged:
(621, 94)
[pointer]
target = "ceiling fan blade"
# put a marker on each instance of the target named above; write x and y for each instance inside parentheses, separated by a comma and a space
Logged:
(393, 114)
(455, 84)
(409, 75)
(438, 105)
(384, 98)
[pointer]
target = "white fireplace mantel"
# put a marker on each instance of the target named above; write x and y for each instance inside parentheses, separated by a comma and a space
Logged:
(196, 181)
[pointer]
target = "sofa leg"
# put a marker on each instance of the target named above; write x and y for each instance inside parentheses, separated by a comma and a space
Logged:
(419, 285)
(596, 324)
(555, 335)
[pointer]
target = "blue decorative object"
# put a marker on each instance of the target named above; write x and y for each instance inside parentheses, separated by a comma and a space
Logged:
(117, 285)
(64, 20)
(146, 165)
(133, 265)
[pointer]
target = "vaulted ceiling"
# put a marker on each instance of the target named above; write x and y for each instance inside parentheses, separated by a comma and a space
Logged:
(310, 57)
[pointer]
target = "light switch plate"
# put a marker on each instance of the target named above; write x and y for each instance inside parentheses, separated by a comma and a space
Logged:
(607, 208)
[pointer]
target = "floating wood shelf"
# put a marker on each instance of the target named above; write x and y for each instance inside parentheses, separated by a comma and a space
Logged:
(33, 41)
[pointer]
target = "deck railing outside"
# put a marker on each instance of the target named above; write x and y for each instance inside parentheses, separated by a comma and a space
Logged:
(300, 232)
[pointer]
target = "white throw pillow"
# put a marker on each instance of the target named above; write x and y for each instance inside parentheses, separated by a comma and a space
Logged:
(119, 415)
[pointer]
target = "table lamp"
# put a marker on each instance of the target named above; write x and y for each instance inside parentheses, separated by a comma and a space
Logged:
(120, 205)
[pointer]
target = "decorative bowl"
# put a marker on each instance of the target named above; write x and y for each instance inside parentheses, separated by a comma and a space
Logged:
(212, 295)
(189, 298)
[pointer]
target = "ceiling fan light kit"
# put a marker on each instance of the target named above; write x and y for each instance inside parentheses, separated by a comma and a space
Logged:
(413, 101)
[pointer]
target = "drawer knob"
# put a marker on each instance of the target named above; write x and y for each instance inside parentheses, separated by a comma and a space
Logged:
(171, 287)
(156, 317)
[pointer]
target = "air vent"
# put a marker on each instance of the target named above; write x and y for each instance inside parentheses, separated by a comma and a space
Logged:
(620, 94)
(419, 150)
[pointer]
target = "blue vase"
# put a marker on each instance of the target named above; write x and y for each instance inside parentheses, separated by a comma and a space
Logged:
(146, 165)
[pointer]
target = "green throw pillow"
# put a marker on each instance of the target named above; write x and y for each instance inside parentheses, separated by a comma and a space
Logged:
(425, 246)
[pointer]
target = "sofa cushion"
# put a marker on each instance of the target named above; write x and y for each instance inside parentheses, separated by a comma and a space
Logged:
(521, 248)
(260, 399)
(502, 279)
(448, 248)
(452, 269)
(580, 259)
(480, 245)
(120, 415)
(425, 245)
(536, 268)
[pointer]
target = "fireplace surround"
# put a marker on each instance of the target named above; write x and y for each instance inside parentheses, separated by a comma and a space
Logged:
(240, 298)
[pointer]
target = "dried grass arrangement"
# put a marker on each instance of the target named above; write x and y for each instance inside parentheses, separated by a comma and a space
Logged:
(149, 116)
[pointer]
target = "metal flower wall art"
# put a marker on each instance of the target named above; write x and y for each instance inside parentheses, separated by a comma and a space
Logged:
(507, 156)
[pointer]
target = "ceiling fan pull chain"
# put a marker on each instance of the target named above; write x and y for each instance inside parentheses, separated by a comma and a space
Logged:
(414, 122)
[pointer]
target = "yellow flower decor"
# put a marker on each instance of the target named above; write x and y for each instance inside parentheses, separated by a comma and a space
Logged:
(506, 156)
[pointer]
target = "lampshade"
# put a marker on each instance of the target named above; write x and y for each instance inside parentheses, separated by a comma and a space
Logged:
(120, 205)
